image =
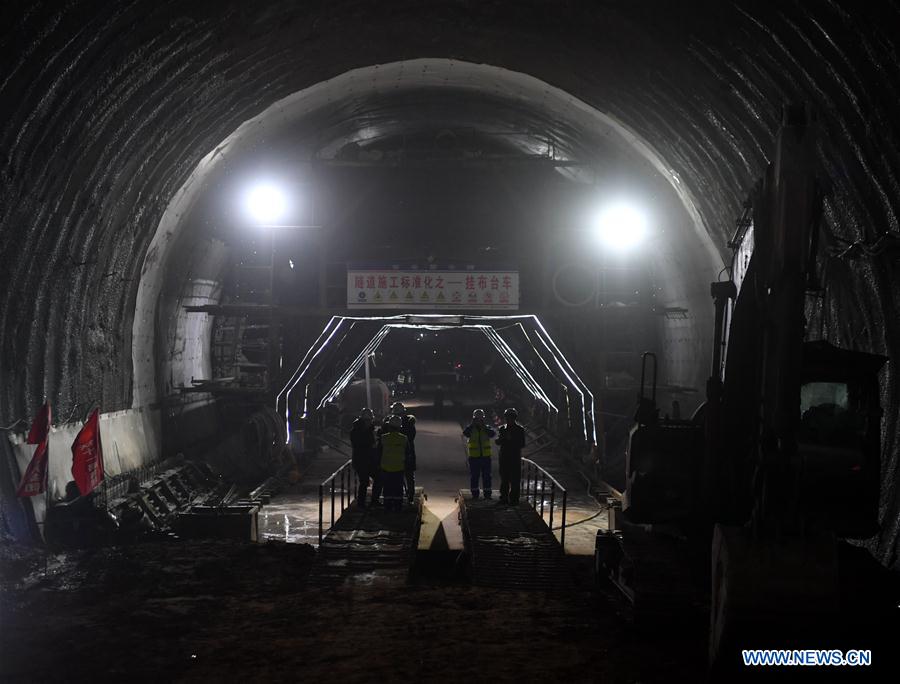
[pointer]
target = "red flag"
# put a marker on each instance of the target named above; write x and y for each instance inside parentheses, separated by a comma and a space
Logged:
(34, 481)
(87, 455)
(40, 428)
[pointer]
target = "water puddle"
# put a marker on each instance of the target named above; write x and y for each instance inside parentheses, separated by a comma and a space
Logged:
(292, 527)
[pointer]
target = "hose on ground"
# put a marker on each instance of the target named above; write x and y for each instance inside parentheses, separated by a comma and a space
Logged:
(603, 507)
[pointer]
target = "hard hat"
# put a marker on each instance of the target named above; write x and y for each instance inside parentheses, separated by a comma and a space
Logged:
(477, 413)
(366, 413)
(511, 413)
(395, 421)
(397, 408)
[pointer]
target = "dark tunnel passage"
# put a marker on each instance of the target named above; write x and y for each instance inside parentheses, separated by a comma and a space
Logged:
(441, 135)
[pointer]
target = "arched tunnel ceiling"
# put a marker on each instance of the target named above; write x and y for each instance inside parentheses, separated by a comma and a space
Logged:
(378, 104)
(107, 108)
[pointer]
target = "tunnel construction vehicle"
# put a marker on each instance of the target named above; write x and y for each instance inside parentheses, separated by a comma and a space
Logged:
(744, 505)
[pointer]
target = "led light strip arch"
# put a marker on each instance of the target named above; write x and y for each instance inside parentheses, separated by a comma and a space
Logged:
(534, 388)
(437, 322)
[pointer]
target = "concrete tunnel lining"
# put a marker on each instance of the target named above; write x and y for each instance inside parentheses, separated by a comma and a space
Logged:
(466, 77)
(113, 117)
(109, 107)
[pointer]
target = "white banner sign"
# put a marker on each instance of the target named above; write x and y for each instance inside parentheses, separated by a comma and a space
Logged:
(390, 289)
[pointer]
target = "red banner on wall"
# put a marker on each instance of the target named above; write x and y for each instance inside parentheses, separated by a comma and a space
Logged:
(40, 428)
(34, 481)
(87, 455)
(432, 290)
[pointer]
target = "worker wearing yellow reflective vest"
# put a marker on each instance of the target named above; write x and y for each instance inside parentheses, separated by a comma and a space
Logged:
(478, 445)
(408, 428)
(393, 450)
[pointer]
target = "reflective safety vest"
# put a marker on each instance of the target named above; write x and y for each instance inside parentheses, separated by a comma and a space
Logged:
(479, 443)
(393, 452)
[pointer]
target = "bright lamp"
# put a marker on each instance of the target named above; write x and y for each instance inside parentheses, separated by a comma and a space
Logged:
(265, 203)
(620, 226)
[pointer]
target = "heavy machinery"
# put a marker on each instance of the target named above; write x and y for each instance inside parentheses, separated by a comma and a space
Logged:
(751, 496)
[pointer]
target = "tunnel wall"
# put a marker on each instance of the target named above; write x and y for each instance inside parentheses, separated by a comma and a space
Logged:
(127, 438)
(106, 108)
(183, 339)
(687, 259)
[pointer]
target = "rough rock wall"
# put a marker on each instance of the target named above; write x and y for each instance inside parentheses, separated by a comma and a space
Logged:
(106, 107)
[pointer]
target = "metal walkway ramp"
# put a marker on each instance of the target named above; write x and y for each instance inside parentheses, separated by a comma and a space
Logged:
(511, 547)
(368, 546)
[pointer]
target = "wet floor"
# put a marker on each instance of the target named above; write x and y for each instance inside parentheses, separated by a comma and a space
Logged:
(222, 611)
(290, 518)
(441, 472)
(293, 515)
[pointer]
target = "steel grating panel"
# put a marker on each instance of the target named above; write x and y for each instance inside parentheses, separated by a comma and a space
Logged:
(511, 547)
(368, 546)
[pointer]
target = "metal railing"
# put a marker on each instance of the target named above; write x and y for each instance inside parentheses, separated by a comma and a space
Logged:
(530, 473)
(347, 476)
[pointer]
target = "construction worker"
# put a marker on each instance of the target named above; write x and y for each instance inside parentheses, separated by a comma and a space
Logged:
(408, 428)
(511, 438)
(393, 447)
(363, 442)
(478, 445)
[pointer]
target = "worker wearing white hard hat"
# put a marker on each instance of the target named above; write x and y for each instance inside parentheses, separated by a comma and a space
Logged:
(478, 449)
(408, 428)
(393, 449)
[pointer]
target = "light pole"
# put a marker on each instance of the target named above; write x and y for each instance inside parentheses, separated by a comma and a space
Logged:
(266, 203)
(368, 383)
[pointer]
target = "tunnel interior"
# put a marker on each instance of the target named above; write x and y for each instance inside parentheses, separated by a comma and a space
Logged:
(364, 185)
(516, 359)
(445, 136)
(501, 168)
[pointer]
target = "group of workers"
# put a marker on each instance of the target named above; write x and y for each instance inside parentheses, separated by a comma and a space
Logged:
(387, 456)
(510, 439)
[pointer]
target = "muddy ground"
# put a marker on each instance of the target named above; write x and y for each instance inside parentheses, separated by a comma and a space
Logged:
(215, 611)
(223, 611)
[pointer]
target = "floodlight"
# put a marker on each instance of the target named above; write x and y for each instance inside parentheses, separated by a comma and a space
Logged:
(266, 203)
(620, 226)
